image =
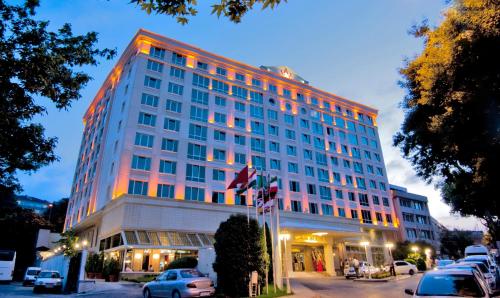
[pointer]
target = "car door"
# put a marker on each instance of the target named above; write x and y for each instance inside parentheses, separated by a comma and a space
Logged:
(157, 286)
(169, 283)
(401, 267)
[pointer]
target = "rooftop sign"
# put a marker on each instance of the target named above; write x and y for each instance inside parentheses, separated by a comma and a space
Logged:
(285, 72)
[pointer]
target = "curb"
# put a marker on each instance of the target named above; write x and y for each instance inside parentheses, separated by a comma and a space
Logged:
(371, 280)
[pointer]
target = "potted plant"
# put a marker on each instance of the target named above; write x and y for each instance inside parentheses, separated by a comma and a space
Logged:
(111, 270)
(99, 262)
(90, 266)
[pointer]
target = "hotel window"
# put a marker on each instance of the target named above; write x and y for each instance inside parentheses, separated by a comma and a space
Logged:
(367, 216)
(354, 213)
(239, 92)
(221, 71)
(408, 217)
(197, 132)
(385, 201)
(141, 163)
(258, 145)
(327, 209)
(275, 164)
(325, 193)
(219, 155)
(136, 187)
(327, 119)
(198, 114)
(314, 101)
(195, 173)
(369, 169)
(296, 206)
(219, 86)
(171, 124)
(371, 131)
(309, 171)
(218, 175)
(368, 155)
(361, 182)
(291, 150)
(347, 164)
(287, 93)
(356, 153)
(178, 59)
(351, 126)
(313, 208)
(388, 218)
(290, 134)
(173, 106)
(364, 141)
(339, 122)
(338, 194)
(319, 143)
(351, 196)
(373, 144)
(289, 119)
(341, 212)
(323, 175)
(177, 72)
(381, 185)
(358, 167)
(326, 105)
(363, 199)
(200, 81)
(321, 159)
(256, 83)
(273, 130)
(257, 112)
(194, 194)
(308, 155)
(348, 180)
(311, 189)
(272, 115)
(220, 101)
(375, 200)
(144, 140)
(377, 157)
(304, 123)
(300, 97)
(220, 118)
(239, 106)
(240, 200)
(147, 119)
(274, 146)
(306, 138)
(380, 171)
(240, 158)
(353, 139)
(273, 89)
(294, 186)
(334, 161)
(257, 127)
(259, 163)
(197, 152)
(165, 191)
(175, 88)
(220, 135)
(239, 122)
(293, 168)
(379, 217)
(157, 53)
(272, 101)
(218, 197)
(202, 65)
(149, 100)
(373, 184)
(199, 97)
(317, 128)
(152, 82)
(168, 167)
(411, 233)
(330, 131)
(256, 97)
(169, 145)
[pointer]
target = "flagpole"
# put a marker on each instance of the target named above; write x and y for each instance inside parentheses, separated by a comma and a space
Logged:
(272, 246)
(265, 240)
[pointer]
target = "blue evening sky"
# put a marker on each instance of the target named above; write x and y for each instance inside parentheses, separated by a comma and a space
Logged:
(350, 48)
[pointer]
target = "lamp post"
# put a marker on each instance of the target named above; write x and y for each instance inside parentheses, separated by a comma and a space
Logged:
(365, 244)
(50, 211)
(285, 238)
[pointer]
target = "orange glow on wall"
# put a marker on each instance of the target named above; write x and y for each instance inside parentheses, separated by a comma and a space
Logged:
(248, 80)
(229, 197)
(144, 46)
(211, 71)
(190, 61)
(179, 192)
(230, 74)
(339, 151)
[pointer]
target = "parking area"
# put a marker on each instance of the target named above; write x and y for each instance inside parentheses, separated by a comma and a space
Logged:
(118, 291)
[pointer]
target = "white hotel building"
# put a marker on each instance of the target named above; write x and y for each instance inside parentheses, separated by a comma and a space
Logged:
(171, 126)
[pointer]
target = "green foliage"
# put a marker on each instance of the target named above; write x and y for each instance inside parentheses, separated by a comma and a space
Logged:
(451, 131)
(36, 63)
(421, 265)
(94, 263)
(411, 261)
(141, 279)
(182, 9)
(110, 267)
(184, 262)
(269, 251)
(453, 243)
(239, 251)
(403, 250)
(57, 214)
(381, 275)
(68, 243)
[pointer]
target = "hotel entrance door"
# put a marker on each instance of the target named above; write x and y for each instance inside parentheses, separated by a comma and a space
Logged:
(298, 260)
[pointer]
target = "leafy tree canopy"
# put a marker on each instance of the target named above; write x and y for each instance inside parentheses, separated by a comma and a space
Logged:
(57, 214)
(451, 131)
(453, 243)
(182, 9)
(36, 63)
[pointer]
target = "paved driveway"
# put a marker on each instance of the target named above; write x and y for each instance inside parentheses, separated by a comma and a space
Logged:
(340, 287)
(120, 291)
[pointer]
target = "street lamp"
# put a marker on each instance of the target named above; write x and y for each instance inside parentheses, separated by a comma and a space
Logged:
(365, 244)
(50, 211)
(285, 238)
(414, 249)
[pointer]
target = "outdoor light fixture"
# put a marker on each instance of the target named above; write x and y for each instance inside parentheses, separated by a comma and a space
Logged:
(77, 245)
(389, 245)
(138, 256)
(85, 242)
(320, 234)
(364, 243)
(427, 251)
(414, 249)
(311, 241)
(156, 256)
(284, 236)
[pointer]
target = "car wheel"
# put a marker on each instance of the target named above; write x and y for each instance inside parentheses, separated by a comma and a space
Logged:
(176, 294)
(147, 293)
(411, 272)
(36, 290)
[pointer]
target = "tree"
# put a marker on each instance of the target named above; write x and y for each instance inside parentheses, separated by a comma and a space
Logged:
(453, 243)
(36, 62)
(56, 214)
(239, 251)
(269, 250)
(451, 131)
(182, 9)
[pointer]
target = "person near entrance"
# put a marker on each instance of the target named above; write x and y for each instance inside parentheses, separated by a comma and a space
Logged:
(355, 264)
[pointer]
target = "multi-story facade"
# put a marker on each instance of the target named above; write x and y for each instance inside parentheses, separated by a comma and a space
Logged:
(415, 221)
(172, 125)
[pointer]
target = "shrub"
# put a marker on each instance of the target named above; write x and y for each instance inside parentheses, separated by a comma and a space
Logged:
(380, 275)
(411, 261)
(94, 263)
(110, 267)
(184, 262)
(421, 265)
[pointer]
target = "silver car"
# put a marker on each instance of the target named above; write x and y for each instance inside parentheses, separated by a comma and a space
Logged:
(179, 283)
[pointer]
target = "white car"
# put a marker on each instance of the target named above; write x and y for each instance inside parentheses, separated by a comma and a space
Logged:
(364, 270)
(450, 283)
(48, 280)
(476, 250)
(483, 271)
(30, 275)
(403, 267)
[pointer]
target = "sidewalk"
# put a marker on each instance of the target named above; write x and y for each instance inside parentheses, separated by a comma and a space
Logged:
(301, 291)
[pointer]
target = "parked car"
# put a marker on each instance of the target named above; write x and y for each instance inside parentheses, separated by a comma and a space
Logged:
(177, 283)
(486, 260)
(364, 270)
(30, 275)
(403, 267)
(440, 264)
(474, 250)
(484, 273)
(489, 277)
(450, 283)
(48, 280)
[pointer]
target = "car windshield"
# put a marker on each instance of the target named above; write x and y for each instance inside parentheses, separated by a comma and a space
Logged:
(481, 265)
(47, 274)
(444, 262)
(449, 285)
(6, 255)
(191, 273)
(33, 272)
